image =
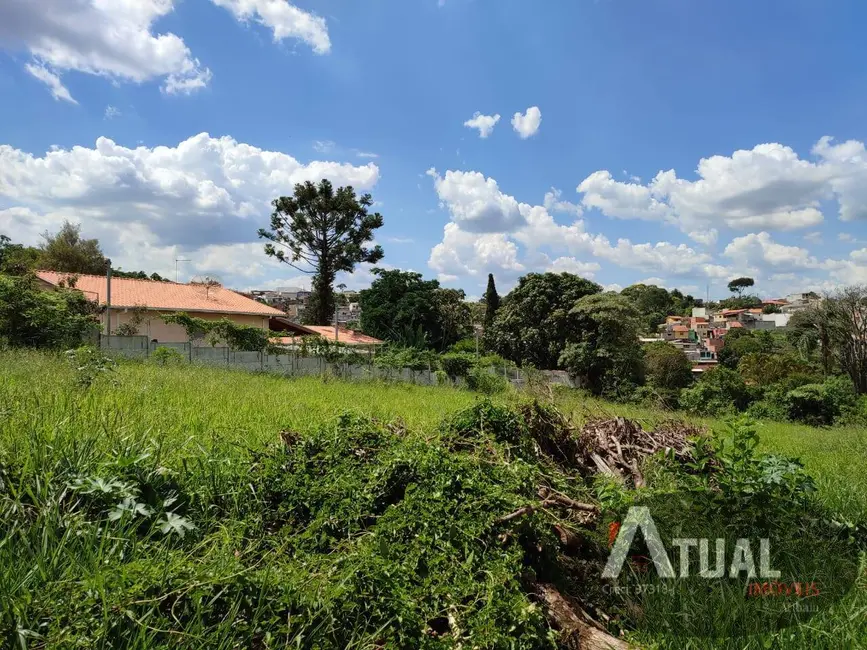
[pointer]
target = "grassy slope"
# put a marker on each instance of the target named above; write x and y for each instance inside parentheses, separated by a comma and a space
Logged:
(187, 411)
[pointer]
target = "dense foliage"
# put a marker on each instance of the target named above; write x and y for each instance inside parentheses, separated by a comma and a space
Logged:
(655, 303)
(245, 338)
(402, 307)
(67, 251)
(324, 232)
(534, 322)
(605, 354)
(666, 366)
(30, 317)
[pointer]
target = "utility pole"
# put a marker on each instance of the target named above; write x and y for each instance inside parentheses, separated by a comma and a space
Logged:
(179, 259)
(342, 287)
(107, 297)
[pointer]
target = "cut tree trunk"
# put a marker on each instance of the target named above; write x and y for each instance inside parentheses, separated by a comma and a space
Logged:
(579, 630)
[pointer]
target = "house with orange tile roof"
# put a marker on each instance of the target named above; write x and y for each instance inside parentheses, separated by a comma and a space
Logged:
(287, 332)
(150, 300)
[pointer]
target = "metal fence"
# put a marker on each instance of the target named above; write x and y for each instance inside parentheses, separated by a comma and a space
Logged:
(294, 364)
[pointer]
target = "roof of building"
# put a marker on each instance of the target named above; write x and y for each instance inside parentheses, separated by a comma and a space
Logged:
(736, 324)
(680, 328)
(732, 312)
(346, 336)
(779, 302)
(169, 296)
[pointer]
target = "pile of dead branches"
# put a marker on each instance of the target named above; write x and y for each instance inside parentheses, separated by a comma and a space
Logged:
(616, 447)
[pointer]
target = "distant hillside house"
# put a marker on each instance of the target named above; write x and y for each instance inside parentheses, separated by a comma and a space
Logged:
(209, 302)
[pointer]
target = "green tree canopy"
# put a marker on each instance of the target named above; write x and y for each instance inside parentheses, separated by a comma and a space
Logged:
(403, 307)
(741, 342)
(718, 390)
(68, 252)
(322, 232)
(534, 323)
(739, 285)
(667, 367)
(16, 259)
(605, 353)
(30, 317)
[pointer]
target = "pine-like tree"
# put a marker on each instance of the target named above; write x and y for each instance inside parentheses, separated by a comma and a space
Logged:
(492, 301)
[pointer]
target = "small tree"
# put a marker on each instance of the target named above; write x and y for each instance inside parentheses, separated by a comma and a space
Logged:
(68, 252)
(16, 259)
(606, 355)
(30, 317)
(322, 232)
(667, 367)
(739, 285)
(534, 323)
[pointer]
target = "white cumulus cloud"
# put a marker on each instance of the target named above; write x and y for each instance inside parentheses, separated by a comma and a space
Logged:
(284, 19)
(476, 202)
(112, 38)
(527, 124)
(484, 123)
(769, 187)
(202, 198)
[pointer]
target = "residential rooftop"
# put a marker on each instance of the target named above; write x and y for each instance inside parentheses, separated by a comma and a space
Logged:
(167, 296)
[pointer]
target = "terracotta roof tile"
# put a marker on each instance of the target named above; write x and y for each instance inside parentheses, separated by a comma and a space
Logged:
(169, 296)
(349, 337)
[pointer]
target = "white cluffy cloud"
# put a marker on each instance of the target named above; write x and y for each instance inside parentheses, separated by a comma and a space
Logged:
(484, 123)
(284, 19)
(768, 187)
(117, 39)
(111, 38)
(476, 203)
(203, 198)
(527, 124)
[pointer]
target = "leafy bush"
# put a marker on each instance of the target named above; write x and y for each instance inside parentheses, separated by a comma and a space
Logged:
(768, 409)
(667, 367)
(467, 345)
(164, 356)
(30, 317)
(484, 381)
(457, 364)
(717, 391)
(747, 483)
(89, 365)
(821, 404)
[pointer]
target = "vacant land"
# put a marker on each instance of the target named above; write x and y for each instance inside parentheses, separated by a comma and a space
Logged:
(198, 437)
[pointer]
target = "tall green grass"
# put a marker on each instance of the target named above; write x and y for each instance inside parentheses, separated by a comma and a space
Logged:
(194, 430)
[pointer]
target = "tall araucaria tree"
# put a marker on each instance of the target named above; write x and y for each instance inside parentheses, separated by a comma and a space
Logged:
(322, 232)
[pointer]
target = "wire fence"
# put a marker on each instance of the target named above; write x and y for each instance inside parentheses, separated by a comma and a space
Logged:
(293, 363)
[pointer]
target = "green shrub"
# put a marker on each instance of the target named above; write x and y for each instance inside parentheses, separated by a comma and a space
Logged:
(89, 364)
(667, 367)
(457, 364)
(30, 317)
(821, 404)
(467, 345)
(718, 391)
(164, 356)
(486, 382)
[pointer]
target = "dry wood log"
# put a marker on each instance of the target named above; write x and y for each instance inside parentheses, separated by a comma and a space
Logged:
(579, 630)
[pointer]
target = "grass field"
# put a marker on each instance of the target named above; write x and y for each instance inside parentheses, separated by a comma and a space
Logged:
(196, 425)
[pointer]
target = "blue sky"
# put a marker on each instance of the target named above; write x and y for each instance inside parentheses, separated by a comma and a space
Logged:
(679, 143)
